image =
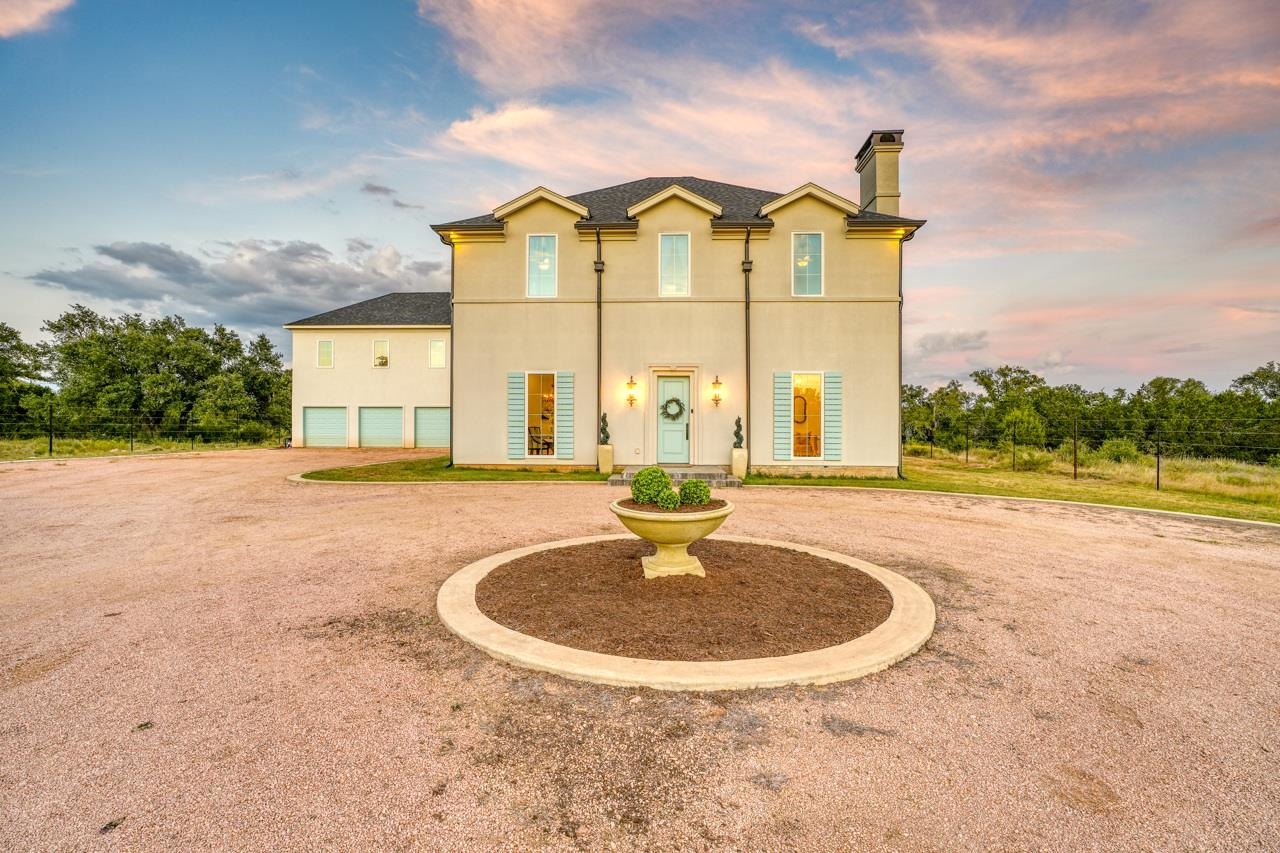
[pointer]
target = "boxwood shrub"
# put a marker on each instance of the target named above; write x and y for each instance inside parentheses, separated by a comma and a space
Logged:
(648, 484)
(668, 499)
(695, 493)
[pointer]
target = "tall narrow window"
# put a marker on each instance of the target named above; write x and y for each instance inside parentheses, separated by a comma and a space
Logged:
(436, 353)
(806, 264)
(540, 413)
(381, 353)
(673, 264)
(806, 415)
(324, 353)
(542, 265)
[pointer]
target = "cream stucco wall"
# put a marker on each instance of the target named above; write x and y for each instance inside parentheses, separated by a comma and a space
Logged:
(852, 328)
(353, 381)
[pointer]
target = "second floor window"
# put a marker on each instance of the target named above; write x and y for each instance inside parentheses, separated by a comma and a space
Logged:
(542, 265)
(436, 353)
(806, 264)
(381, 353)
(324, 353)
(673, 264)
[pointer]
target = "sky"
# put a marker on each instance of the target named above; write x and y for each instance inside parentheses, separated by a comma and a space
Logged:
(1101, 180)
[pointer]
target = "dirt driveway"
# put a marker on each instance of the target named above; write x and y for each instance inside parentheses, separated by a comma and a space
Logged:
(196, 653)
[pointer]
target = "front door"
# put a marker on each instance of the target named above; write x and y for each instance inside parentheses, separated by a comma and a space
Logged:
(673, 420)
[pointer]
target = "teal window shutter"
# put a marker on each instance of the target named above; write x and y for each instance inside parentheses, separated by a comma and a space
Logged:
(781, 416)
(564, 414)
(833, 417)
(516, 445)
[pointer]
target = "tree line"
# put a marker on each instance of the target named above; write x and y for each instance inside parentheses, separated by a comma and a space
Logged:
(1175, 416)
(104, 376)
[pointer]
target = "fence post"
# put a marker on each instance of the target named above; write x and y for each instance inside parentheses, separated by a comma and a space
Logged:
(1075, 447)
(51, 429)
(1158, 449)
(966, 442)
(1015, 447)
(930, 444)
(131, 425)
(193, 441)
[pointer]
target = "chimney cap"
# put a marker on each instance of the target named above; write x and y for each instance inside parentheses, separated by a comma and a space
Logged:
(879, 137)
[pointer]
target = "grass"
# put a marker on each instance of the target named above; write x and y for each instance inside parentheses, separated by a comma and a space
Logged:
(38, 448)
(435, 470)
(1210, 486)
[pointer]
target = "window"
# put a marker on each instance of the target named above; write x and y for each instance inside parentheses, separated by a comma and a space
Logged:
(381, 353)
(673, 264)
(542, 265)
(806, 415)
(806, 264)
(540, 413)
(324, 353)
(436, 353)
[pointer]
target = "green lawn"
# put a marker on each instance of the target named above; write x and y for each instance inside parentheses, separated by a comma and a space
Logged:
(434, 470)
(1209, 486)
(64, 448)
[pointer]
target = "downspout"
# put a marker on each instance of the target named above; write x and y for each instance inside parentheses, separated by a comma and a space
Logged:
(453, 330)
(746, 299)
(901, 244)
(599, 268)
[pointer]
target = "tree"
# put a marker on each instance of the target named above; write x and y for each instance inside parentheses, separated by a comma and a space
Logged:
(1264, 381)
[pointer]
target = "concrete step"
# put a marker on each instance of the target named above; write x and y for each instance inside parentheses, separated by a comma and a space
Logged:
(714, 476)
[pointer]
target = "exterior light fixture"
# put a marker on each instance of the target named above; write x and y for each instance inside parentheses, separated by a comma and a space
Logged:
(715, 391)
(631, 387)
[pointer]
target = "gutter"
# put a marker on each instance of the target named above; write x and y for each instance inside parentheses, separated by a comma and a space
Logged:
(746, 301)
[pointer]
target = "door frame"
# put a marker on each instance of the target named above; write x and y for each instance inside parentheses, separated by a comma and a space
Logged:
(651, 411)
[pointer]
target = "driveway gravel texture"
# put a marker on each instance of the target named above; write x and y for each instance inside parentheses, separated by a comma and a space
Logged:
(196, 653)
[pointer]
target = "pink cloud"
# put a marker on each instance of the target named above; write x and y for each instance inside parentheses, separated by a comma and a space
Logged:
(27, 16)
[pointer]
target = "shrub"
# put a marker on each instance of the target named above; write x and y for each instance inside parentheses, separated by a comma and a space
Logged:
(1273, 461)
(695, 493)
(1119, 450)
(648, 484)
(1034, 460)
(668, 500)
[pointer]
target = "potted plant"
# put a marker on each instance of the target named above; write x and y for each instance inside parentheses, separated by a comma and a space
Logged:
(738, 460)
(604, 452)
(671, 520)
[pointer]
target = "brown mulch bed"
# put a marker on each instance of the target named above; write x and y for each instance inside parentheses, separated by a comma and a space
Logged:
(714, 503)
(756, 601)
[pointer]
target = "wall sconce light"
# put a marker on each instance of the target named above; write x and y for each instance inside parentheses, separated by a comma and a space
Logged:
(715, 391)
(631, 387)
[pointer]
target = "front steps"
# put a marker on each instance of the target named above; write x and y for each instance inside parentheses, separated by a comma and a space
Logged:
(715, 476)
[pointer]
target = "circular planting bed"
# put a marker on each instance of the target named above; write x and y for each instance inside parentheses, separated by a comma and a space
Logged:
(756, 601)
(767, 614)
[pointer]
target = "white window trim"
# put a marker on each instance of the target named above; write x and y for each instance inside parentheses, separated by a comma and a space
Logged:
(822, 280)
(555, 404)
(555, 281)
(332, 357)
(444, 345)
(688, 265)
(822, 413)
(373, 354)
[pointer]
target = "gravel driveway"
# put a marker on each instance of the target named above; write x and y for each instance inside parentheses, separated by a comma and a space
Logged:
(196, 653)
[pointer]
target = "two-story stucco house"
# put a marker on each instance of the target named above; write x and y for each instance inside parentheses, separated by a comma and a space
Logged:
(677, 305)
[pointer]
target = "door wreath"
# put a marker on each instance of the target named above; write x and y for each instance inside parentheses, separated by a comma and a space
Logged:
(673, 409)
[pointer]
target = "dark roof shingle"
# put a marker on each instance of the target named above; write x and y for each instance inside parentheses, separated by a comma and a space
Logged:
(393, 309)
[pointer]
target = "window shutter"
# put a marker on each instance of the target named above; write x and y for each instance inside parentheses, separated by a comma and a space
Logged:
(833, 417)
(564, 414)
(516, 444)
(781, 416)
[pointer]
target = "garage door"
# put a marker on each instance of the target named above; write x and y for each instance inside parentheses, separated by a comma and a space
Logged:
(430, 427)
(324, 426)
(381, 427)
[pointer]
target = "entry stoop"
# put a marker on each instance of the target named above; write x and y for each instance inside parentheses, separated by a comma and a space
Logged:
(715, 476)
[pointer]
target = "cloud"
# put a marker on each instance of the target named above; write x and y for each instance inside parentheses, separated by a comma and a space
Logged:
(935, 343)
(377, 189)
(28, 16)
(404, 205)
(249, 283)
(356, 245)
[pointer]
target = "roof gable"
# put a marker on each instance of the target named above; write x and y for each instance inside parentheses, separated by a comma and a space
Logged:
(539, 194)
(674, 191)
(810, 190)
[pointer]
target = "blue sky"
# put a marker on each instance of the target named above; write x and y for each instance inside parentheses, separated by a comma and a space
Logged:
(1100, 179)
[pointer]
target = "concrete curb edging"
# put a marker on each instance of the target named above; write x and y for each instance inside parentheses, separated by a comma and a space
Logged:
(909, 626)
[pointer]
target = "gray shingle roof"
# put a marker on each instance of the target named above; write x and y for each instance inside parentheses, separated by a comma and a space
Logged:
(608, 206)
(393, 309)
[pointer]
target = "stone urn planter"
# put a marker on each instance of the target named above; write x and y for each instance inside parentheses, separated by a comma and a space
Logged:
(672, 533)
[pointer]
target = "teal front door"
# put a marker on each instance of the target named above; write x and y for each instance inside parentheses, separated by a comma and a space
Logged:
(673, 432)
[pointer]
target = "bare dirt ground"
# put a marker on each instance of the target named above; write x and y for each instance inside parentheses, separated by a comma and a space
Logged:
(197, 654)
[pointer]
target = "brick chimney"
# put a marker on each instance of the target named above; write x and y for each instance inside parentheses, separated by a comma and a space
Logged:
(878, 167)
